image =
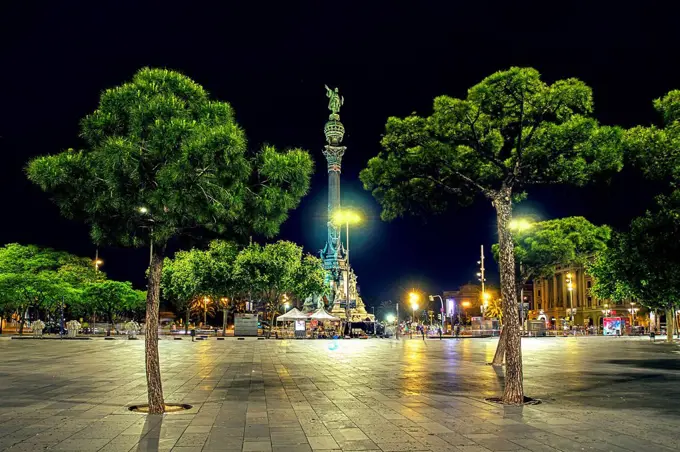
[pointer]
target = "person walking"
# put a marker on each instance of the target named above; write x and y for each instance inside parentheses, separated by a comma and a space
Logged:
(422, 330)
(439, 330)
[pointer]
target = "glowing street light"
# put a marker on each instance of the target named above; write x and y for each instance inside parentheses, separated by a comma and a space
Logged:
(520, 224)
(143, 209)
(346, 217)
(570, 288)
(485, 302)
(390, 318)
(205, 311)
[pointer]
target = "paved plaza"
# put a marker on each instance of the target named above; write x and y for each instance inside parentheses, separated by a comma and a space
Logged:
(599, 394)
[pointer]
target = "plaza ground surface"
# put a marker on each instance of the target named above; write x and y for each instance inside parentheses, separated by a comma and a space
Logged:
(600, 394)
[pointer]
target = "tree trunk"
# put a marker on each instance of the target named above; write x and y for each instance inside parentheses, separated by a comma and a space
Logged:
(500, 350)
(153, 369)
(186, 324)
(499, 356)
(514, 391)
(224, 322)
(670, 324)
(21, 326)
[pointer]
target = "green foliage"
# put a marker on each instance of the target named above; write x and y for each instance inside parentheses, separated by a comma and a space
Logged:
(113, 298)
(494, 309)
(186, 277)
(608, 271)
(160, 143)
(41, 278)
(310, 278)
(563, 241)
(267, 272)
(644, 262)
(656, 150)
(222, 258)
(513, 130)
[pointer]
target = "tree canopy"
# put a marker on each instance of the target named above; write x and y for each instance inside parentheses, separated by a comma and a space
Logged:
(645, 261)
(656, 150)
(163, 159)
(571, 241)
(513, 130)
(113, 298)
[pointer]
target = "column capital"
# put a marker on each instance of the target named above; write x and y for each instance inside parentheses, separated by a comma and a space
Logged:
(334, 157)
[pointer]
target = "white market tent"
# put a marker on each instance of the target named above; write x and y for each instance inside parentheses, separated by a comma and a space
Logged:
(321, 314)
(293, 314)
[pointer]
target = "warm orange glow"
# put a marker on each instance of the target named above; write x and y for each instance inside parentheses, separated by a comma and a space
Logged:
(466, 304)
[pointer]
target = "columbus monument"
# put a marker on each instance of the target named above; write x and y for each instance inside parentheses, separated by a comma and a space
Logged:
(344, 299)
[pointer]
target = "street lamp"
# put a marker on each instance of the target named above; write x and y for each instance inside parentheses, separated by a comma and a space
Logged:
(205, 311)
(465, 305)
(340, 217)
(442, 310)
(413, 298)
(485, 303)
(632, 310)
(224, 301)
(414, 306)
(570, 288)
(521, 225)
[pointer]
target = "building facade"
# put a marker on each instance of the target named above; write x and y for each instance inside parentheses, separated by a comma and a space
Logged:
(467, 300)
(567, 295)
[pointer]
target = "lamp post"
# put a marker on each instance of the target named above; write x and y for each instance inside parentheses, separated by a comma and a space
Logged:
(205, 311)
(442, 310)
(413, 298)
(144, 211)
(521, 225)
(485, 303)
(97, 263)
(225, 302)
(346, 217)
(480, 274)
(465, 305)
(570, 288)
(632, 310)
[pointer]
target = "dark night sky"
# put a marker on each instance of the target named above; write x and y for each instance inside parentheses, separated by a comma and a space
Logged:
(271, 62)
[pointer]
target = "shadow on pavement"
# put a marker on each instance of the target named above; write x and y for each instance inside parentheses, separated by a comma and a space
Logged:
(665, 364)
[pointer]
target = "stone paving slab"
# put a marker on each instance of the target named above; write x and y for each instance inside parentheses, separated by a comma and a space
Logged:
(599, 394)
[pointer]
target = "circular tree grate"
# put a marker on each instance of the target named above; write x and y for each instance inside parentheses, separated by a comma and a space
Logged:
(169, 408)
(527, 400)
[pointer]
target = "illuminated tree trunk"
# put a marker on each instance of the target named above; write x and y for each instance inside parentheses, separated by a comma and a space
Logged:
(500, 350)
(670, 324)
(514, 391)
(186, 324)
(499, 356)
(153, 369)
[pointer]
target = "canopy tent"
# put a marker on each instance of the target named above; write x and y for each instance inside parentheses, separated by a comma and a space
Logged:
(293, 314)
(321, 314)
